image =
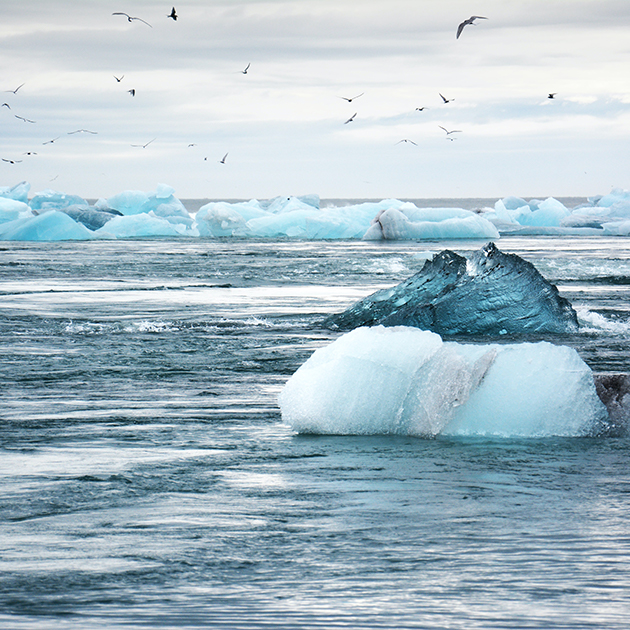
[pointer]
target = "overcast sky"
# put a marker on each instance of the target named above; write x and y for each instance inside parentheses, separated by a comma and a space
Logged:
(282, 123)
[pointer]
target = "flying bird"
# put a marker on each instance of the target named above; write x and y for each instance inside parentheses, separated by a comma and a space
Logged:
(446, 100)
(121, 78)
(407, 140)
(448, 133)
(350, 119)
(351, 99)
(173, 15)
(51, 141)
(82, 131)
(6, 105)
(130, 19)
(246, 69)
(16, 89)
(421, 109)
(132, 92)
(29, 153)
(144, 146)
(24, 119)
(552, 95)
(11, 161)
(470, 20)
(222, 160)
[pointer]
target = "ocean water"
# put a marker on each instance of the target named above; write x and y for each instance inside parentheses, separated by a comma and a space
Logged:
(147, 480)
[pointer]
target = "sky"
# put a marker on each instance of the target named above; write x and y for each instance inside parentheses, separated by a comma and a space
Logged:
(283, 124)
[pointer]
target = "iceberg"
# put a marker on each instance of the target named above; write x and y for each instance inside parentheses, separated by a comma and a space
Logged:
(490, 293)
(53, 225)
(406, 381)
(411, 223)
(19, 192)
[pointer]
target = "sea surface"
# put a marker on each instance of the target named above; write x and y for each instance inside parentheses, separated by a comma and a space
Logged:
(147, 479)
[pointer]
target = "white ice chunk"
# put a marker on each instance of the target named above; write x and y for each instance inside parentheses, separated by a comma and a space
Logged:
(406, 381)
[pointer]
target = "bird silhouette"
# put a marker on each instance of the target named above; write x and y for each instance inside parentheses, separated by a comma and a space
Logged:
(173, 15)
(24, 119)
(6, 105)
(407, 140)
(448, 133)
(132, 92)
(121, 78)
(51, 141)
(144, 146)
(82, 131)
(246, 69)
(350, 119)
(421, 109)
(16, 89)
(352, 98)
(470, 20)
(446, 100)
(29, 153)
(552, 95)
(222, 160)
(11, 161)
(130, 18)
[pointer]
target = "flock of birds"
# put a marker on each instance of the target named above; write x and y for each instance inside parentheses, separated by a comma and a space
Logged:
(173, 15)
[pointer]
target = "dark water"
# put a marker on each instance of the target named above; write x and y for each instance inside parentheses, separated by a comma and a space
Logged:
(147, 480)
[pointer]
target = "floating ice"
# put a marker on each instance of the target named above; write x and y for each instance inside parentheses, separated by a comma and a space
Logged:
(19, 192)
(11, 209)
(304, 218)
(409, 222)
(50, 226)
(406, 381)
(490, 293)
(140, 225)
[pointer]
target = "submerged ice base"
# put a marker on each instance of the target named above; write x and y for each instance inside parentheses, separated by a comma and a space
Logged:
(405, 381)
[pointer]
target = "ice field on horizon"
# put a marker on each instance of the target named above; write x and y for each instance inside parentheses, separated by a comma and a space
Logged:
(53, 216)
(406, 381)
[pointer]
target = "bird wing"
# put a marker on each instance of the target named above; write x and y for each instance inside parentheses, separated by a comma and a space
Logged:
(460, 28)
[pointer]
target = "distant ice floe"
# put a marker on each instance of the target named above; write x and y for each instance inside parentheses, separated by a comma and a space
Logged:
(137, 214)
(406, 381)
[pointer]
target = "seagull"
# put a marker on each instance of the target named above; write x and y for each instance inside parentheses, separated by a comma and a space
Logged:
(350, 119)
(470, 20)
(11, 161)
(421, 109)
(448, 133)
(446, 100)
(246, 69)
(24, 119)
(132, 92)
(16, 89)
(121, 78)
(29, 153)
(222, 160)
(173, 15)
(407, 140)
(144, 146)
(82, 131)
(351, 99)
(51, 141)
(552, 95)
(129, 18)
(192, 144)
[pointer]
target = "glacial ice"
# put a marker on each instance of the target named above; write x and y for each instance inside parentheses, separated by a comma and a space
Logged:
(304, 218)
(488, 293)
(50, 226)
(406, 381)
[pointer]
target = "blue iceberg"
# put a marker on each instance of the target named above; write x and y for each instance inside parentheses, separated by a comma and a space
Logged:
(491, 293)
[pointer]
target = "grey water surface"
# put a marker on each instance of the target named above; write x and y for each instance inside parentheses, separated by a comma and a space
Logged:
(147, 480)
